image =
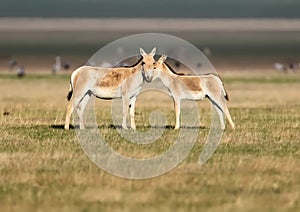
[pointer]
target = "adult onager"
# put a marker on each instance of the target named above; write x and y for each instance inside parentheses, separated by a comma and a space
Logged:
(109, 83)
(193, 88)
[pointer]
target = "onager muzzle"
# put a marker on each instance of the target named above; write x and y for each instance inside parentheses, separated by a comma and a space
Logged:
(147, 74)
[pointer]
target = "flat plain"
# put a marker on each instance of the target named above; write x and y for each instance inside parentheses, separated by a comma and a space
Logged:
(255, 167)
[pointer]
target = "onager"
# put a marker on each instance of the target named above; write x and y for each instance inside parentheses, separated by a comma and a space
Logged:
(193, 88)
(109, 83)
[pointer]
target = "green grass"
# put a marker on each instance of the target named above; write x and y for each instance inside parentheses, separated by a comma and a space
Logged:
(265, 79)
(255, 168)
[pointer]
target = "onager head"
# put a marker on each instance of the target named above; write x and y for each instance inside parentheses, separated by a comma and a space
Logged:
(148, 64)
(159, 66)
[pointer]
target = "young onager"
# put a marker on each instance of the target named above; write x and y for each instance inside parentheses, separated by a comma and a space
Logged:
(193, 88)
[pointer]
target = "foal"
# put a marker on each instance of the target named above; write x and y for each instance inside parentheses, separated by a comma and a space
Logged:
(109, 83)
(193, 88)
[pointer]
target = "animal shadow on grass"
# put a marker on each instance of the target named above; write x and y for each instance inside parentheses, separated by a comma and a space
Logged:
(169, 127)
(111, 126)
(61, 126)
(72, 127)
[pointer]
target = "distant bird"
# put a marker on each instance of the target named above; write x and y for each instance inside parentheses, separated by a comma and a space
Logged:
(12, 64)
(21, 71)
(57, 66)
(293, 66)
(66, 66)
(280, 67)
(207, 51)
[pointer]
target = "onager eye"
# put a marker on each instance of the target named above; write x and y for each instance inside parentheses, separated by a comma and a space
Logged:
(143, 63)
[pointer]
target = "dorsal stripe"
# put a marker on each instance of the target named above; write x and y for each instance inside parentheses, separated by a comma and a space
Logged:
(172, 70)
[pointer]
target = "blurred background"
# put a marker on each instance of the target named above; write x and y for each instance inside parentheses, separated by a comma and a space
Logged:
(57, 35)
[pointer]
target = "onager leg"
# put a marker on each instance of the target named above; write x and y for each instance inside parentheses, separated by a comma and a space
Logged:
(227, 114)
(131, 112)
(177, 113)
(221, 115)
(221, 106)
(69, 113)
(125, 101)
(80, 110)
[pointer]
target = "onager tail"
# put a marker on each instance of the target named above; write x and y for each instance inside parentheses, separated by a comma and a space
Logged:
(70, 92)
(226, 95)
(224, 90)
(221, 84)
(224, 107)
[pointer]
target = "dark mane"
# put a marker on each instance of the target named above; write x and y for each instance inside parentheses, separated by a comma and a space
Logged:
(172, 70)
(211, 74)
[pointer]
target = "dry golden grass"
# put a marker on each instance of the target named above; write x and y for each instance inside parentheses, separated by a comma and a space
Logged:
(256, 167)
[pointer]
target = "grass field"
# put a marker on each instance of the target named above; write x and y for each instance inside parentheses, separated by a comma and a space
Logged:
(255, 168)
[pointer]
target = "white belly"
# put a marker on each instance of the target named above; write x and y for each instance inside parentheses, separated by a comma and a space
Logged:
(108, 93)
(193, 95)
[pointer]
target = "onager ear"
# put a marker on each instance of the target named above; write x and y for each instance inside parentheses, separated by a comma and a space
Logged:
(163, 58)
(153, 52)
(143, 53)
